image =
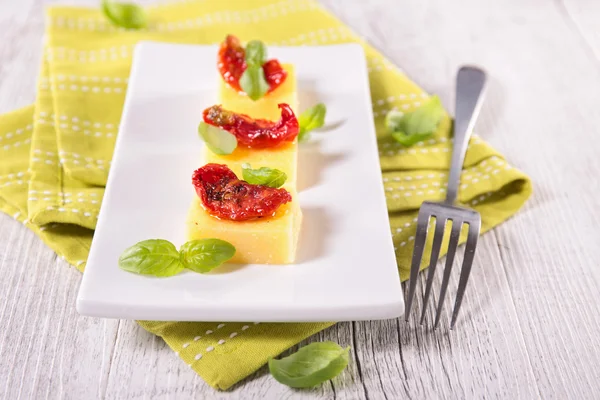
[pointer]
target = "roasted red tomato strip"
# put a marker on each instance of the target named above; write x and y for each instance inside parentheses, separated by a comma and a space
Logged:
(255, 133)
(274, 74)
(227, 197)
(231, 61)
(232, 64)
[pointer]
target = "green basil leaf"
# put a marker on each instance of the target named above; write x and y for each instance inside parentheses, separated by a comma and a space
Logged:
(206, 254)
(392, 120)
(218, 140)
(253, 82)
(125, 15)
(310, 119)
(417, 125)
(156, 257)
(263, 176)
(256, 52)
(311, 365)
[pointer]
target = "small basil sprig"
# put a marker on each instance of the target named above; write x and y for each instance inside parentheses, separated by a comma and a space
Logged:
(159, 257)
(253, 82)
(206, 254)
(415, 126)
(256, 53)
(218, 140)
(310, 119)
(125, 15)
(311, 365)
(156, 257)
(263, 176)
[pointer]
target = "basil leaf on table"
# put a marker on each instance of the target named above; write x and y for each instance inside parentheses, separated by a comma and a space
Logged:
(311, 365)
(125, 15)
(310, 119)
(256, 53)
(415, 126)
(206, 254)
(156, 257)
(253, 82)
(263, 176)
(218, 140)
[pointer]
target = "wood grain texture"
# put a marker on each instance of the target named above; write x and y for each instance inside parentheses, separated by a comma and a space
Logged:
(531, 316)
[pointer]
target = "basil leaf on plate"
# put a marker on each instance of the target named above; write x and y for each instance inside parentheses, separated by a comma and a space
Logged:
(125, 15)
(206, 254)
(310, 119)
(311, 365)
(253, 82)
(156, 257)
(218, 140)
(256, 52)
(415, 126)
(263, 176)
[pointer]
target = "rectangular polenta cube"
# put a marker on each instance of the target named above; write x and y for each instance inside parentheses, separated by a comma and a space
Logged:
(266, 107)
(270, 240)
(283, 157)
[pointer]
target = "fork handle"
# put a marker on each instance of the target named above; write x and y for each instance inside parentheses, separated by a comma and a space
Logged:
(470, 87)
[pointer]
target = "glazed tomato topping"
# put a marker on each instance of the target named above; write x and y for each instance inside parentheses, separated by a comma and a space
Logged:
(231, 61)
(274, 74)
(255, 133)
(232, 64)
(227, 197)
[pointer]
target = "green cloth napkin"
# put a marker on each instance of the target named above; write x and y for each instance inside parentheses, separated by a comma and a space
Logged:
(55, 155)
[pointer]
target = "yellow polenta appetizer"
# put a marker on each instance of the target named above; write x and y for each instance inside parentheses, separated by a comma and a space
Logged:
(259, 141)
(265, 107)
(262, 222)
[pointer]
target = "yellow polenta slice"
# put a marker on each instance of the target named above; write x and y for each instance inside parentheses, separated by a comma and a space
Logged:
(270, 240)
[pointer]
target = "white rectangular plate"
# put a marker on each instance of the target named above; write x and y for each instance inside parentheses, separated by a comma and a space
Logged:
(346, 268)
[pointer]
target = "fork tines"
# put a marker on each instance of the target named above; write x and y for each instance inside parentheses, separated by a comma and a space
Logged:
(457, 217)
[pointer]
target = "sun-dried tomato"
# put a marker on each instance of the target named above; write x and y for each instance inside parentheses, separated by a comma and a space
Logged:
(231, 61)
(227, 197)
(255, 133)
(274, 74)
(232, 64)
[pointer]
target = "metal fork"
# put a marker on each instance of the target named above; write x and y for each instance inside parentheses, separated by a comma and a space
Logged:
(470, 86)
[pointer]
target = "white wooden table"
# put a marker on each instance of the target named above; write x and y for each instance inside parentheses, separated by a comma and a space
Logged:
(530, 325)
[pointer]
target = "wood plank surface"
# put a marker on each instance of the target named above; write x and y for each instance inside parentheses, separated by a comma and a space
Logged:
(531, 317)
